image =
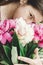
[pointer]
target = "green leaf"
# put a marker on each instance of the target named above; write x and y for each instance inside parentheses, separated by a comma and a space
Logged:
(7, 51)
(15, 42)
(2, 54)
(30, 49)
(22, 50)
(14, 55)
(4, 62)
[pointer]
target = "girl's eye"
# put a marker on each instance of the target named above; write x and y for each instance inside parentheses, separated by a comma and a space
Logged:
(32, 17)
(30, 14)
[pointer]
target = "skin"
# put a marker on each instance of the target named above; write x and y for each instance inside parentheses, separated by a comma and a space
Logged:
(30, 14)
(22, 11)
(8, 10)
(35, 61)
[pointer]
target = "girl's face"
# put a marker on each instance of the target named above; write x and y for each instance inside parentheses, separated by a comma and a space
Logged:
(29, 13)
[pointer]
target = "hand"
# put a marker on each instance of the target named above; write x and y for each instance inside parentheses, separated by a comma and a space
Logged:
(36, 61)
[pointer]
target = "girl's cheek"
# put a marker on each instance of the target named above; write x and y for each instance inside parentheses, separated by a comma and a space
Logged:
(39, 19)
(31, 19)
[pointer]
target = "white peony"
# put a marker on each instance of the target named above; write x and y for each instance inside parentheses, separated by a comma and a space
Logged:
(24, 31)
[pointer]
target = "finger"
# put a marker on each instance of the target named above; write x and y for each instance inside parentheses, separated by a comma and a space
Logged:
(36, 53)
(27, 60)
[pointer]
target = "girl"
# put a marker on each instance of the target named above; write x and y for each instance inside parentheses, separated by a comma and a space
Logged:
(27, 12)
(31, 11)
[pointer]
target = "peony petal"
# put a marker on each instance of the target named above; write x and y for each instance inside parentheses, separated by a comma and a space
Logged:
(12, 24)
(8, 36)
(6, 25)
(1, 31)
(3, 40)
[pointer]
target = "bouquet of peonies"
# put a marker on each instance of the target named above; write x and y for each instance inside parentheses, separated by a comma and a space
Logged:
(17, 38)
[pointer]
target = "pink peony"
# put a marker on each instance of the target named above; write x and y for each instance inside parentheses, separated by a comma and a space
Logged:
(5, 27)
(26, 32)
(38, 33)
